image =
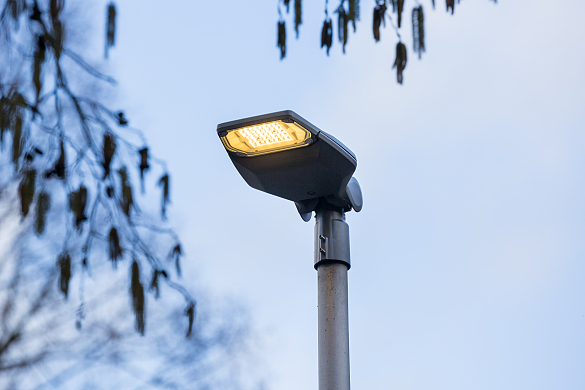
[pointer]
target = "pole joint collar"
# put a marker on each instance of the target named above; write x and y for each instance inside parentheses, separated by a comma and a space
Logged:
(331, 238)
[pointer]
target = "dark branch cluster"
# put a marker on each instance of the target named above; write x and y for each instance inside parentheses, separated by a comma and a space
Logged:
(69, 167)
(348, 11)
(62, 141)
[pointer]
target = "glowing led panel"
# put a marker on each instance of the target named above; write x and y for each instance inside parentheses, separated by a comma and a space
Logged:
(266, 138)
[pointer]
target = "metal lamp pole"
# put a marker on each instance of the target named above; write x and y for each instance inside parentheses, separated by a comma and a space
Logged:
(285, 155)
(332, 263)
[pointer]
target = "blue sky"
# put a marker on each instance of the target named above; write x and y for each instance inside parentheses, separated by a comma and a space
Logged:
(468, 259)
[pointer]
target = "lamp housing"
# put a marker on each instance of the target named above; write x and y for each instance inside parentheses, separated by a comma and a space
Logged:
(285, 155)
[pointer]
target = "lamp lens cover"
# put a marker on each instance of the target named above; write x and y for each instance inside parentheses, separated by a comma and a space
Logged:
(266, 138)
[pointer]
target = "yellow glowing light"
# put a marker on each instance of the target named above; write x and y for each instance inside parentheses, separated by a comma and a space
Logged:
(266, 138)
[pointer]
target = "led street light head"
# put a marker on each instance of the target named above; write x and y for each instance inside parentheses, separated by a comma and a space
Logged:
(265, 138)
(285, 155)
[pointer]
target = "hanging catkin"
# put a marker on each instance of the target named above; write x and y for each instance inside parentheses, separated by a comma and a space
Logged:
(109, 149)
(327, 34)
(298, 16)
(451, 4)
(17, 139)
(400, 62)
(55, 6)
(399, 8)
(77, 205)
(176, 254)
(26, 190)
(43, 205)
(164, 183)
(379, 19)
(137, 294)
(281, 41)
(4, 117)
(127, 200)
(418, 30)
(342, 22)
(353, 13)
(190, 313)
(144, 166)
(64, 264)
(110, 28)
(39, 59)
(115, 250)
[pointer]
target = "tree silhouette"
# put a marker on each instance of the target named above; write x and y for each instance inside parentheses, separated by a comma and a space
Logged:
(69, 169)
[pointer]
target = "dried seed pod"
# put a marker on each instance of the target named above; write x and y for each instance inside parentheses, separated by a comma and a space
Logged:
(109, 149)
(43, 205)
(327, 34)
(281, 41)
(433, 1)
(418, 30)
(64, 264)
(400, 62)
(26, 190)
(287, 5)
(137, 294)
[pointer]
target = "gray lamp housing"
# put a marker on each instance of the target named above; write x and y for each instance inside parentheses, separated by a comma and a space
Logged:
(304, 175)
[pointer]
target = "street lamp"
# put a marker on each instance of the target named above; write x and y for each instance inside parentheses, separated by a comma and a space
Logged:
(285, 155)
